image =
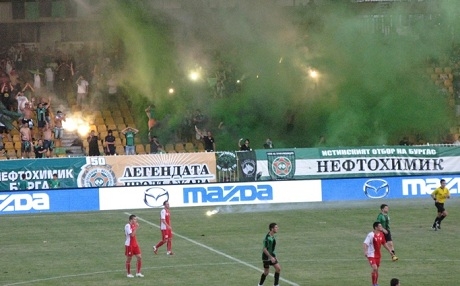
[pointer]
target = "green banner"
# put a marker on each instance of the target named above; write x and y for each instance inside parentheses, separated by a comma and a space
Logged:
(376, 161)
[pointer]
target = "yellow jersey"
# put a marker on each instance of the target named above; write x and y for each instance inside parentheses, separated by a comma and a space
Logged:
(440, 194)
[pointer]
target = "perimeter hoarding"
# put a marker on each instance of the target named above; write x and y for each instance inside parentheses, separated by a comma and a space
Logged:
(386, 187)
(52, 201)
(141, 197)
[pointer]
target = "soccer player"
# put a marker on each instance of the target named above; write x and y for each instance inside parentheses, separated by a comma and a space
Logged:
(394, 282)
(372, 244)
(54, 183)
(439, 196)
(166, 230)
(384, 219)
(23, 184)
(269, 255)
(131, 247)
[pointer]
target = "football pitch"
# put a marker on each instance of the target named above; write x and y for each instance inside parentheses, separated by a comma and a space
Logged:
(317, 244)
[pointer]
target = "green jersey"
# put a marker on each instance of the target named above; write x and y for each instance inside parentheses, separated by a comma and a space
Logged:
(23, 185)
(54, 184)
(270, 244)
(130, 138)
(384, 219)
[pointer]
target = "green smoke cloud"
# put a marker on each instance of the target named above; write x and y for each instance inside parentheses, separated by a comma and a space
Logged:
(372, 87)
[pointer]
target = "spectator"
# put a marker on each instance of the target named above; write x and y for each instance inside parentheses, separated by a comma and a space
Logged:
(129, 133)
(155, 146)
(93, 144)
(82, 91)
(54, 183)
(26, 139)
(151, 116)
(47, 140)
(22, 100)
(110, 143)
(39, 150)
(268, 144)
(245, 146)
(23, 184)
(208, 140)
(49, 74)
(58, 129)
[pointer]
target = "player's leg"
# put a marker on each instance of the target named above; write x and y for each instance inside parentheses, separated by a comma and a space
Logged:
(129, 257)
(169, 247)
(375, 274)
(277, 267)
(442, 217)
(163, 241)
(265, 273)
(139, 265)
(169, 243)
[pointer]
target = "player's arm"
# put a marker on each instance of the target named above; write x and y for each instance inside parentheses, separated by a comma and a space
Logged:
(270, 257)
(381, 219)
(134, 229)
(387, 248)
(365, 248)
(164, 222)
(433, 195)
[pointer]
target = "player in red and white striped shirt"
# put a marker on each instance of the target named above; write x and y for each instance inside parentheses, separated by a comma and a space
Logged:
(166, 230)
(131, 247)
(372, 244)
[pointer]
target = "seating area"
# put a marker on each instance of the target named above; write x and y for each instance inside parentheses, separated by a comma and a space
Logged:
(115, 115)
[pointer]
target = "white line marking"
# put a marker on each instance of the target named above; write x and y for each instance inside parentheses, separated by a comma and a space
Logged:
(216, 251)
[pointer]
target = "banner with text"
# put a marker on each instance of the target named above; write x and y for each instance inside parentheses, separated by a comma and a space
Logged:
(109, 171)
(359, 162)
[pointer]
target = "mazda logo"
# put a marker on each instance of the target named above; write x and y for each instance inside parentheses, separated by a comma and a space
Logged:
(376, 188)
(155, 197)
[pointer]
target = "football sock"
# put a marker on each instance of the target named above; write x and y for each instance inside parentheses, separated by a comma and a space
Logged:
(138, 265)
(374, 276)
(159, 244)
(128, 267)
(262, 279)
(441, 218)
(169, 245)
(277, 278)
(393, 251)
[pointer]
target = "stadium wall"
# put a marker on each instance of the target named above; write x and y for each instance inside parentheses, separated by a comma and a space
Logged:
(192, 179)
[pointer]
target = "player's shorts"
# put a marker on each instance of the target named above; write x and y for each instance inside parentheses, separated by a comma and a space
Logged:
(166, 234)
(374, 261)
(440, 207)
(267, 263)
(132, 250)
(388, 236)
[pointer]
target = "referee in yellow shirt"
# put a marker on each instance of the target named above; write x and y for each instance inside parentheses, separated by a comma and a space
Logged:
(439, 196)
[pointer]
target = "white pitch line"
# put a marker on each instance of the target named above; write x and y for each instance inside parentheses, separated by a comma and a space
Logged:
(105, 272)
(216, 251)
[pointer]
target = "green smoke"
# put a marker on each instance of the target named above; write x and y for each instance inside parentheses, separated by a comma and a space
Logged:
(372, 87)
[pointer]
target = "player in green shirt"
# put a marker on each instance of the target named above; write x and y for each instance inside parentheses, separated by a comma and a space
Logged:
(269, 255)
(22, 183)
(384, 220)
(54, 183)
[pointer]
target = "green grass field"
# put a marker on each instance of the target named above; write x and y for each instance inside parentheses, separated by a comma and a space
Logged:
(318, 244)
